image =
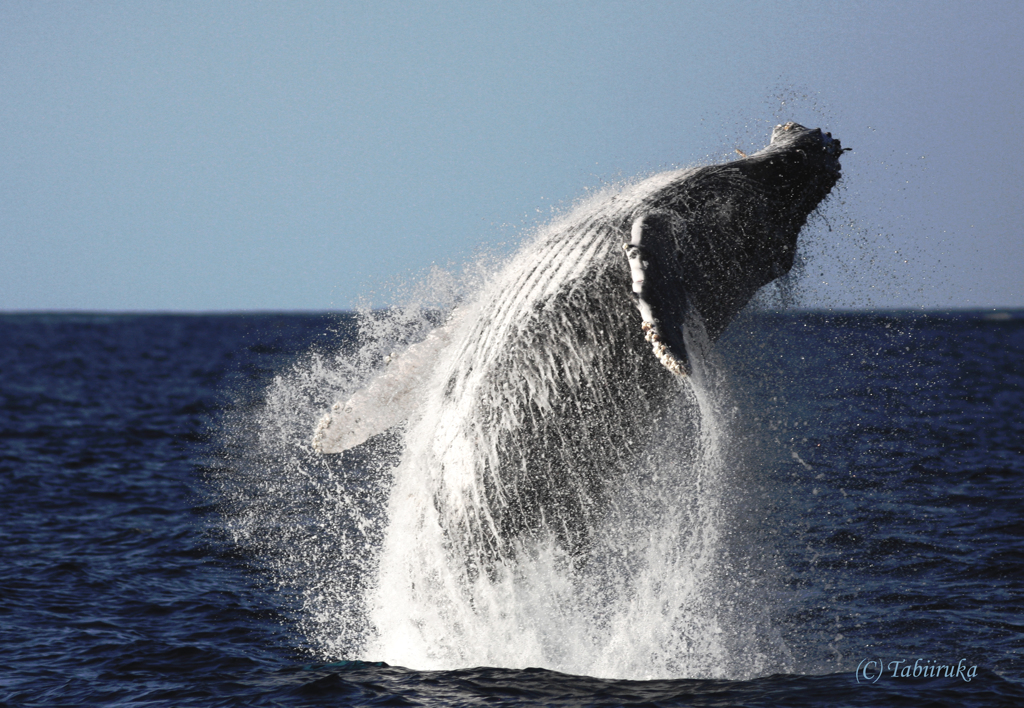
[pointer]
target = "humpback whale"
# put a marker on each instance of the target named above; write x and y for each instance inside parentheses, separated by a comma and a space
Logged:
(535, 396)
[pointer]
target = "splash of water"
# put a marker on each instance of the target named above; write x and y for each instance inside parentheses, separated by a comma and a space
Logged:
(662, 593)
(358, 544)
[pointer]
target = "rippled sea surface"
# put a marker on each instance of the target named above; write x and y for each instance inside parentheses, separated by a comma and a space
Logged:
(888, 450)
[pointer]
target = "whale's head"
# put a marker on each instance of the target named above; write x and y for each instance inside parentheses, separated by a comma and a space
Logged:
(795, 135)
(795, 173)
(705, 244)
(806, 158)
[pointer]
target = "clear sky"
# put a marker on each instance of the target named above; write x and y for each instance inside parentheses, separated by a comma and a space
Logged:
(298, 156)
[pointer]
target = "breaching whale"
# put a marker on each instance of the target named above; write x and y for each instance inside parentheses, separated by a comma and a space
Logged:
(531, 400)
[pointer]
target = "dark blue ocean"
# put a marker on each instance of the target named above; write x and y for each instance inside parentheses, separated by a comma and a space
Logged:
(887, 452)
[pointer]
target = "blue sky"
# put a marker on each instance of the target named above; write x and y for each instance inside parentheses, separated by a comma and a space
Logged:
(301, 156)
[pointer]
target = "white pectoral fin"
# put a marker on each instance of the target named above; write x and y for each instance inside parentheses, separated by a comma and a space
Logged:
(661, 301)
(386, 401)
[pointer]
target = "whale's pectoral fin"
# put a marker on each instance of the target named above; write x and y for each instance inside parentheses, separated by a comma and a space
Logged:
(657, 289)
(386, 401)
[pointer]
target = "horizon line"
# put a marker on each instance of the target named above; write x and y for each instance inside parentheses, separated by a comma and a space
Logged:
(349, 311)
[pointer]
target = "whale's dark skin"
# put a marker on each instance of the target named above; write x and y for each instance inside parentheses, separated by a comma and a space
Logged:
(546, 387)
(724, 231)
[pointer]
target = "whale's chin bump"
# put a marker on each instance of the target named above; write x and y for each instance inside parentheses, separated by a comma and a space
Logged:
(524, 409)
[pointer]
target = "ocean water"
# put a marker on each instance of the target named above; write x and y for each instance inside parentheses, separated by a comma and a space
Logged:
(169, 537)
